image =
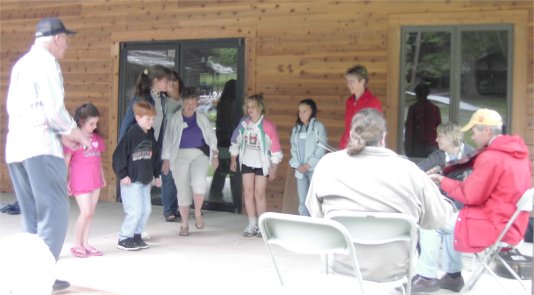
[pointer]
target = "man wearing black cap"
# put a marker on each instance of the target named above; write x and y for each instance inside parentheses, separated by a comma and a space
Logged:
(38, 123)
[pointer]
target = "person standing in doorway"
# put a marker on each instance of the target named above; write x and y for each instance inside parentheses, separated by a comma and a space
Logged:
(152, 84)
(38, 124)
(229, 112)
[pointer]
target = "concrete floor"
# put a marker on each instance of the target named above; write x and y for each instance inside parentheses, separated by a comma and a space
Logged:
(215, 259)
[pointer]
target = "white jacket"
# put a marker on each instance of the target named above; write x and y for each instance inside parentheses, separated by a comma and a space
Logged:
(173, 135)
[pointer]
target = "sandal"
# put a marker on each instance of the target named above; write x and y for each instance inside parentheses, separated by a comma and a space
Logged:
(79, 252)
(184, 231)
(199, 222)
(91, 251)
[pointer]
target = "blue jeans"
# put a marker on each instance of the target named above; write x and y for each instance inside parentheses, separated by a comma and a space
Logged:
(40, 185)
(430, 241)
(136, 202)
(303, 184)
(168, 194)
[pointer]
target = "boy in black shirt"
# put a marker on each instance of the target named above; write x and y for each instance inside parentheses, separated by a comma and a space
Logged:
(136, 163)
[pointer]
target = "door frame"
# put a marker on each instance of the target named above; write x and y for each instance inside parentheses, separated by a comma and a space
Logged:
(246, 33)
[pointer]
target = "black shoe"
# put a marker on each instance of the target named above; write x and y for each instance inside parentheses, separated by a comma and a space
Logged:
(420, 284)
(139, 241)
(60, 285)
(449, 283)
(170, 218)
(128, 245)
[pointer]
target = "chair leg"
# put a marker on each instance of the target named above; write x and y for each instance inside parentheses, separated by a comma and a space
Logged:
(484, 266)
(512, 272)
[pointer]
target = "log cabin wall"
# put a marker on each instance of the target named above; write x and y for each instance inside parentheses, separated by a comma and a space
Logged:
(294, 50)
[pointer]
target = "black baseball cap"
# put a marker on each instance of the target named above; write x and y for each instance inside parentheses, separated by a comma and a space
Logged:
(51, 26)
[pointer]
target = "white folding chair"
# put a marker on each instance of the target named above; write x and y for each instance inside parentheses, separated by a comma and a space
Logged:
(307, 235)
(488, 256)
(381, 228)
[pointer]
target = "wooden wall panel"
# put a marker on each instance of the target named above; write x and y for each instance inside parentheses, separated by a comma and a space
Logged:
(295, 49)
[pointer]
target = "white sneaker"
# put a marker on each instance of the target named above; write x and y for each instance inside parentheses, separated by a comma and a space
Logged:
(145, 236)
(250, 230)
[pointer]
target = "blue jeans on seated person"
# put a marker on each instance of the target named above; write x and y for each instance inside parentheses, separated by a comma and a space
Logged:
(168, 195)
(137, 205)
(430, 241)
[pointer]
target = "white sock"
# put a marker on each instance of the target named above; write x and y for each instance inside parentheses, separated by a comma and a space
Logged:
(252, 221)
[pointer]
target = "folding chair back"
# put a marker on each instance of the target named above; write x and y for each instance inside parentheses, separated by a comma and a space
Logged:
(486, 258)
(381, 228)
(306, 235)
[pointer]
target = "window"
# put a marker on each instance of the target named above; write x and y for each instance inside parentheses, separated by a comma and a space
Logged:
(465, 67)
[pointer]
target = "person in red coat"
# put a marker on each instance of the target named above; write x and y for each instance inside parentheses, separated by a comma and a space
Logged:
(421, 123)
(501, 174)
(357, 79)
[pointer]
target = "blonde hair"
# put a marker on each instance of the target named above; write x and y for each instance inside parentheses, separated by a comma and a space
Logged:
(368, 127)
(257, 99)
(452, 131)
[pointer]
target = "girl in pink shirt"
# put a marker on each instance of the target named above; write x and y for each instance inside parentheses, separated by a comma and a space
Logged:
(85, 178)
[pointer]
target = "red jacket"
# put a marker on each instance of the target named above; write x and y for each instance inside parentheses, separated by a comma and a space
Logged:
(352, 106)
(501, 174)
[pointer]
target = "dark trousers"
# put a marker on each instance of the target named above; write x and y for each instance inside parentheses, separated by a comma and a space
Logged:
(168, 195)
(218, 180)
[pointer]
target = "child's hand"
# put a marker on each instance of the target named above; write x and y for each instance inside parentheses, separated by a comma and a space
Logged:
(165, 167)
(126, 180)
(158, 182)
(233, 164)
(214, 162)
(272, 172)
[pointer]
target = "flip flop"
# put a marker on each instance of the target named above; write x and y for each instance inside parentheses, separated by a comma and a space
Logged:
(79, 252)
(91, 251)
(184, 231)
(199, 222)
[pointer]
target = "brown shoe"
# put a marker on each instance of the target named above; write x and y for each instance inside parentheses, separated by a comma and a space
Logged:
(449, 283)
(421, 284)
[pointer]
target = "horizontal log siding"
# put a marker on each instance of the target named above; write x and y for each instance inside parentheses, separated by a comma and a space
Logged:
(295, 50)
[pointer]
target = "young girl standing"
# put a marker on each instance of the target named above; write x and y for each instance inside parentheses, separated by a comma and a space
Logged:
(255, 141)
(306, 139)
(85, 178)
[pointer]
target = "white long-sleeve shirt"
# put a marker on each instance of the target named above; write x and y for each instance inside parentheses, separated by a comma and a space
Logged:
(36, 109)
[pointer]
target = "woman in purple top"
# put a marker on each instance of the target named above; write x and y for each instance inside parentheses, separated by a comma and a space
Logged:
(189, 144)
(85, 178)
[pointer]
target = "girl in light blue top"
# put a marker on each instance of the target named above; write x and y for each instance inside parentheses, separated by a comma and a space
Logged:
(307, 137)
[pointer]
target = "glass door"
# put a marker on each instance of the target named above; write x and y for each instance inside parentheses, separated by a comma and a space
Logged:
(207, 65)
(214, 67)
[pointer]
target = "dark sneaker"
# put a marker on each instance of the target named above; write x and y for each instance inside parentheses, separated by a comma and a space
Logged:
(449, 283)
(170, 218)
(128, 245)
(139, 241)
(420, 284)
(60, 285)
